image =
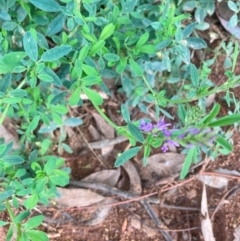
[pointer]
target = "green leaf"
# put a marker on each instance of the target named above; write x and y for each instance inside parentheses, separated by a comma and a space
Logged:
(125, 156)
(91, 80)
(182, 113)
(224, 143)
(89, 70)
(147, 49)
(13, 160)
(73, 121)
(214, 112)
(36, 235)
(61, 109)
(75, 96)
(10, 233)
(31, 202)
(30, 46)
(33, 124)
(46, 5)
(45, 77)
(56, 25)
(12, 100)
(226, 120)
(56, 53)
(200, 14)
(233, 6)
(189, 5)
(137, 134)
(5, 82)
(2, 223)
(143, 39)
(45, 146)
(107, 31)
(233, 21)
(96, 47)
(194, 75)
(196, 43)
(3, 148)
(191, 156)
(128, 5)
(18, 93)
(21, 216)
(60, 178)
(93, 96)
(163, 44)
(9, 25)
(88, 36)
(135, 67)
(12, 59)
(111, 57)
(33, 222)
(125, 113)
(235, 55)
(5, 195)
(83, 52)
(147, 150)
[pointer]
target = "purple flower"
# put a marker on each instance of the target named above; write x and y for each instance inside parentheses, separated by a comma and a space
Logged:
(193, 131)
(164, 148)
(181, 136)
(162, 125)
(167, 133)
(144, 126)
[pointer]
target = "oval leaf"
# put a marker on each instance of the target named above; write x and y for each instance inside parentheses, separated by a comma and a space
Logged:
(56, 53)
(14, 160)
(226, 120)
(137, 134)
(30, 46)
(125, 156)
(93, 96)
(46, 5)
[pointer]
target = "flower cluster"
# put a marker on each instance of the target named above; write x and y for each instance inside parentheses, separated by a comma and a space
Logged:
(188, 137)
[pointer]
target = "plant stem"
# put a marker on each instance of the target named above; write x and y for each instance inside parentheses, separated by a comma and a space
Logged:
(105, 117)
(12, 216)
(4, 114)
(148, 85)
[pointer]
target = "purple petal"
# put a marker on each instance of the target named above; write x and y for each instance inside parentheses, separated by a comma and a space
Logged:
(161, 125)
(164, 148)
(180, 137)
(172, 143)
(193, 131)
(144, 126)
(167, 133)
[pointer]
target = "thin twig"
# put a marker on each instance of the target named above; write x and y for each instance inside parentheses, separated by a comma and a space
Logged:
(221, 175)
(220, 203)
(107, 142)
(177, 185)
(183, 230)
(86, 142)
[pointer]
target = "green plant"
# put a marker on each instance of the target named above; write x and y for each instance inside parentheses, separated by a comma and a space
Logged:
(52, 51)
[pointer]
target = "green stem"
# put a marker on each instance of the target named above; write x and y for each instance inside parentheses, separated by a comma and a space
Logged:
(105, 117)
(12, 216)
(8, 105)
(4, 114)
(148, 85)
(185, 100)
